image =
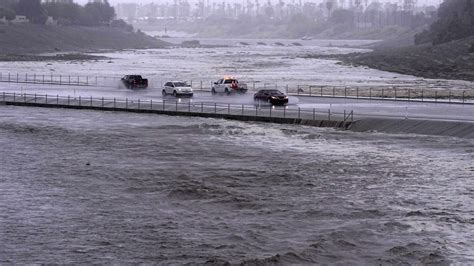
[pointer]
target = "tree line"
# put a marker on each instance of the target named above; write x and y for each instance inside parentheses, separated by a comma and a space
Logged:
(66, 13)
(455, 21)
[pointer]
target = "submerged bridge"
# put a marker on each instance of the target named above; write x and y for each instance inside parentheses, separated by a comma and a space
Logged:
(258, 113)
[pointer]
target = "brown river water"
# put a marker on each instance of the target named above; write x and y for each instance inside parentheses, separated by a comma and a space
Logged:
(107, 188)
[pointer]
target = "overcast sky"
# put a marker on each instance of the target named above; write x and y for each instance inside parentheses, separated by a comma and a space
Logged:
(113, 2)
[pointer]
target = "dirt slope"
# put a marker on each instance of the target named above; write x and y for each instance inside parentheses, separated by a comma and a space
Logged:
(18, 39)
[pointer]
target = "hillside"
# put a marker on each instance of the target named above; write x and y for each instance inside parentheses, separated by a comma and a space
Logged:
(29, 38)
(451, 60)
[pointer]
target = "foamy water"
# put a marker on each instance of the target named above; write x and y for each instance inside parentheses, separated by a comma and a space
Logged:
(105, 187)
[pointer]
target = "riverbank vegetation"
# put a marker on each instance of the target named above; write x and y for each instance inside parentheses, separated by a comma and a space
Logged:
(444, 50)
(70, 28)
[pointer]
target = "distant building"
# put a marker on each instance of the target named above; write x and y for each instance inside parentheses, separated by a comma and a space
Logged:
(59, 1)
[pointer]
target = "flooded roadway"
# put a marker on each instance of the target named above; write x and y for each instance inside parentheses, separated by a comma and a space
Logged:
(120, 188)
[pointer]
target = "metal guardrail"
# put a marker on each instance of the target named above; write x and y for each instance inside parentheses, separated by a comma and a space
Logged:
(388, 92)
(176, 107)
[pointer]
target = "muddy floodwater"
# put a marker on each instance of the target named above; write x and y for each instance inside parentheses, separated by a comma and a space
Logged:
(104, 187)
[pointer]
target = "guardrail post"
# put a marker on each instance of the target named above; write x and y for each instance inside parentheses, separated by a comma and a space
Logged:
(409, 94)
(17, 78)
(35, 97)
(43, 79)
(69, 80)
(321, 91)
(202, 107)
(24, 97)
(126, 103)
(242, 109)
(138, 104)
(345, 92)
(57, 99)
(463, 96)
(271, 107)
(163, 104)
(87, 80)
(215, 108)
(91, 101)
(286, 88)
(79, 100)
(102, 102)
(436, 96)
(201, 84)
(34, 79)
(8, 77)
(314, 114)
(357, 92)
(151, 104)
(310, 89)
(68, 99)
(422, 95)
(26, 77)
(299, 112)
(46, 96)
(228, 108)
(298, 89)
(395, 92)
(189, 107)
(95, 80)
(449, 96)
(115, 103)
(256, 110)
(329, 114)
(370, 93)
(382, 93)
(60, 79)
(284, 111)
(344, 115)
(176, 106)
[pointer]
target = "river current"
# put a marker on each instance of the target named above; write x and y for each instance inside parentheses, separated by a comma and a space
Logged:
(104, 187)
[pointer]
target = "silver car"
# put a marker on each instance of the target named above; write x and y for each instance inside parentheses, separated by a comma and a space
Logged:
(177, 89)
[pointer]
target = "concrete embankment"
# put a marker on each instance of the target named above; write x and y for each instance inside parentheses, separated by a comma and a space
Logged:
(383, 125)
(424, 127)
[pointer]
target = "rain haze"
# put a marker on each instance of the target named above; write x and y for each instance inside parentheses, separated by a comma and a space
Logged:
(237, 132)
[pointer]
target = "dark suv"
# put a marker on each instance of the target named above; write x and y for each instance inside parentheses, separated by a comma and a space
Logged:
(274, 97)
(134, 81)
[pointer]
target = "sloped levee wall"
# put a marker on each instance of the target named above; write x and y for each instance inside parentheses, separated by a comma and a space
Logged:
(408, 126)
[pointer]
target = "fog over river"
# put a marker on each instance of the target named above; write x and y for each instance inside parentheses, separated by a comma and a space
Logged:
(105, 187)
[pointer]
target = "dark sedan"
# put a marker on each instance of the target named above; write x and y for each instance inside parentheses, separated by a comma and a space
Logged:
(274, 97)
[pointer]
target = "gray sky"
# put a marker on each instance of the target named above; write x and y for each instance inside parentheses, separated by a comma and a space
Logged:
(420, 2)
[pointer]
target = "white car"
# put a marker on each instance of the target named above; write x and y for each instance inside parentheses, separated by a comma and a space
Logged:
(177, 89)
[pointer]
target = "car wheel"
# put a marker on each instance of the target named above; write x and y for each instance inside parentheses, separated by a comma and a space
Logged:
(213, 91)
(163, 93)
(227, 91)
(174, 93)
